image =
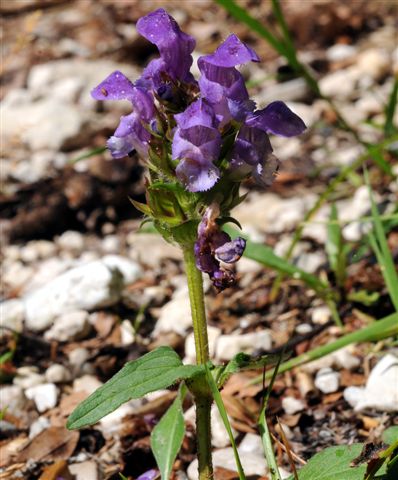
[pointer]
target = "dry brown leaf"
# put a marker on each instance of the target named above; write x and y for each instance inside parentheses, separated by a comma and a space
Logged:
(54, 443)
(56, 470)
(9, 448)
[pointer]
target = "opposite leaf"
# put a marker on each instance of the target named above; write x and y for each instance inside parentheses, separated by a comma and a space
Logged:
(155, 370)
(167, 436)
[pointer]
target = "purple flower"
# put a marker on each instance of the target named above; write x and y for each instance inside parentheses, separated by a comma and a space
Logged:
(149, 475)
(214, 246)
(175, 48)
(276, 118)
(131, 133)
(197, 144)
(221, 83)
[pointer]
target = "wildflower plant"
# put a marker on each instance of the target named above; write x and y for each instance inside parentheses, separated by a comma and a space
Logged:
(200, 139)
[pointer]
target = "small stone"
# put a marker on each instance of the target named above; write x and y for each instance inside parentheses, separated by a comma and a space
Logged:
(190, 352)
(110, 424)
(381, 392)
(86, 287)
(127, 333)
(27, 377)
(340, 84)
(219, 435)
(175, 316)
(57, 373)
(42, 423)
(69, 327)
(341, 52)
(45, 396)
(229, 345)
(111, 244)
(251, 443)
(303, 328)
(327, 380)
(12, 399)
(160, 249)
(311, 262)
(78, 356)
(321, 315)
(86, 383)
(71, 241)
(84, 470)
(292, 405)
(374, 62)
(12, 314)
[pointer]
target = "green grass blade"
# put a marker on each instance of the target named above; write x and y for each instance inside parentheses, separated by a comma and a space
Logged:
(264, 430)
(265, 255)
(89, 154)
(276, 8)
(378, 330)
(335, 247)
(221, 408)
(379, 244)
(389, 127)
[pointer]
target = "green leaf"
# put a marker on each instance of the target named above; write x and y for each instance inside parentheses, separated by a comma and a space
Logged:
(389, 127)
(333, 463)
(335, 247)
(390, 435)
(155, 370)
(167, 436)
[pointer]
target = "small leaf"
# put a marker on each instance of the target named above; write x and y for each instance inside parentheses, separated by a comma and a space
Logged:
(333, 463)
(155, 370)
(390, 435)
(167, 436)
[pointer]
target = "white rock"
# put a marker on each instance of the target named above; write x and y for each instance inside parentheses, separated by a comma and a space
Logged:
(87, 287)
(78, 356)
(340, 84)
(160, 249)
(45, 396)
(71, 241)
(292, 405)
(87, 470)
(342, 358)
(12, 314)
(12, 398)
(86, 383)
(57, 373)
(190, 352)
(311, 262)
(251, 443)
(16, 275)
(175, 316)
(229, 345)
(374, 62)
(42, 423)
(219, 435)
(127, 333)
(69, 327)
(340, 52)
(111, 244)
(321, 315)
(327, 380)
(290, 91)
(28, 377)
(111, 423)
(247, 265)
(45, 124)
(253, 464)
(381, 391)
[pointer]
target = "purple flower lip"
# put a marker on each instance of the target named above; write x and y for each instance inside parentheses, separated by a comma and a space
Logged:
(231, 251)
(277, 118)
(230, 53)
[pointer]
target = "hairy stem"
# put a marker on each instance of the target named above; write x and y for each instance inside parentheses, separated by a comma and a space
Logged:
(199, 386)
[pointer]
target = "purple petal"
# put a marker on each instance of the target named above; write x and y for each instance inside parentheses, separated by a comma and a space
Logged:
(129, 135)
(197, 176)
(199, 143)
(149, 475)
(277, 118)
(231, 251)
(198, 113)
(251, 146)
(230, 53)
(174, 46)
(115, 87)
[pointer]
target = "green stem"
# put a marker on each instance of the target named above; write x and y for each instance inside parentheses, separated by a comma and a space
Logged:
(199, 385)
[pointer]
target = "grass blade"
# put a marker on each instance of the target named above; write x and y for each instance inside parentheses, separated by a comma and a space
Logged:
(335, 247)
(378, 330)
(389, 127)
(264, 430)
(379, 245)
(221, 408)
